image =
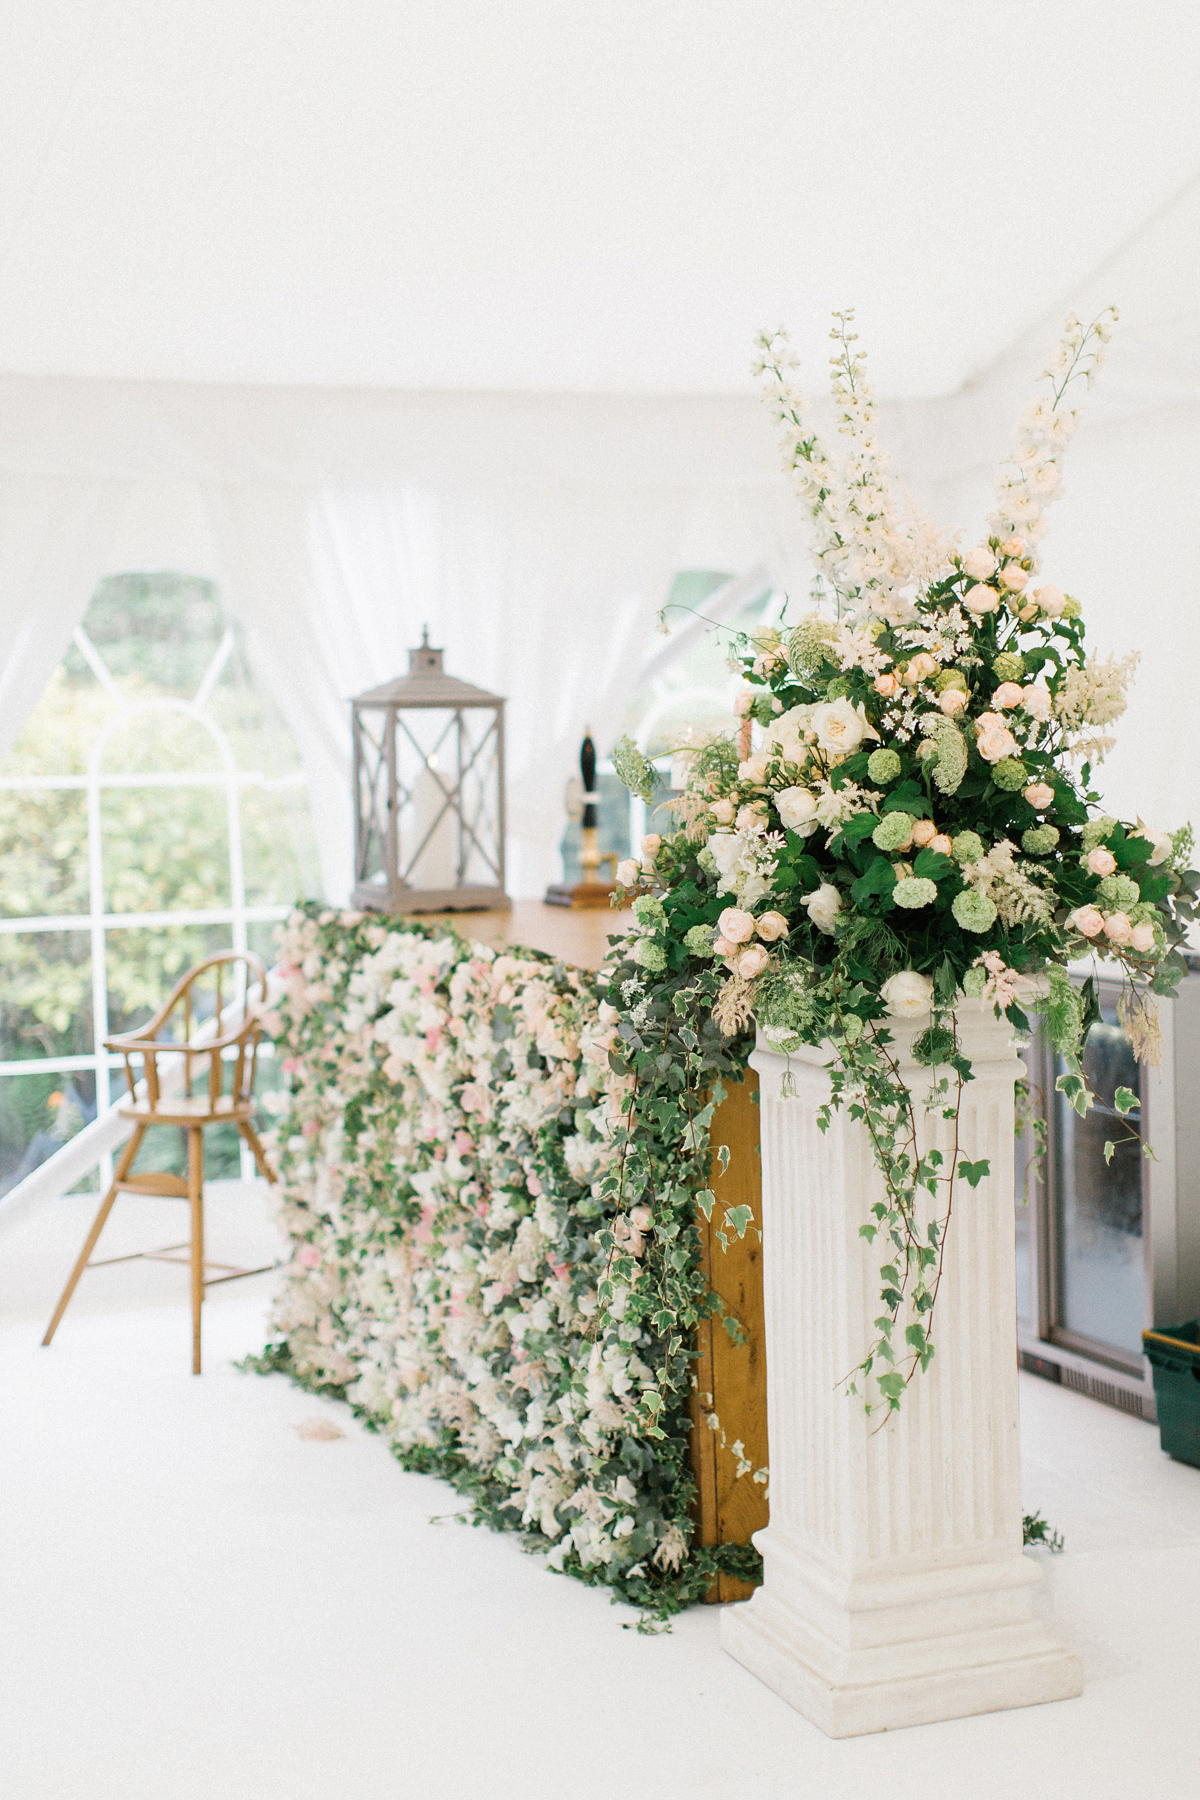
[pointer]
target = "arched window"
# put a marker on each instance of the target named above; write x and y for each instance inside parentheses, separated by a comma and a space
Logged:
(153, 810)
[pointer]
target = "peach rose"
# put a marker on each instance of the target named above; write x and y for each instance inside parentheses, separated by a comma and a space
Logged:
(952, 701)
(736, 925)
(1089, 920)
(723, 947)
(923, 830)
(941, 843)
(921, 667)
(1101, 861)
(887, 685)
(772, 926)
(1013, 546)
(1051, 601)
(1007, 694)
(1040, 795)
(995, 742)
(1117, 928)
(722, 811)
(651, 845)
(1013, 578)
(753, 770)
(980, 562)
(1143, 938)
(980, 600)
(1037, 701)
(752, 962)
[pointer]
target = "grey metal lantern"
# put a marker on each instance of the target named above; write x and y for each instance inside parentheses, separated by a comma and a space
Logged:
(428, 793)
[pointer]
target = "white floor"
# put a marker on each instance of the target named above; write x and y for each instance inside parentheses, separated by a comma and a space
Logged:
(200, 1604)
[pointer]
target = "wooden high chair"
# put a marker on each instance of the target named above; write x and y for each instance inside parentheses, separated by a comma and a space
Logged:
(172, 1102)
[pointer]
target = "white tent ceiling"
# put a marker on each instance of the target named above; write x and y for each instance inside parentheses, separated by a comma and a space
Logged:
(561, 195)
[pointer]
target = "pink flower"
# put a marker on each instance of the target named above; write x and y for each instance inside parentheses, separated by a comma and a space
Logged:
(752, 962)
(308, 1256)
(1143, 937)
(309, 1128)
(1088, 920)
(1040, 795)
(735, 925)
(1009, 693)
(1101, 861)
(464, 1143)
(772, 926)
(292, 1065)
(1117, 928)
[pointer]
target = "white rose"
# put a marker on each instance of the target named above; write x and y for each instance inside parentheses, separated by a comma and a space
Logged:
(753, 770)
(798, 810)
(1037, 701)
(980, 600)
(726, 847)
(1164, 848)
(907, 995)
(628, 873)
(823, 904)
(1051, 600)
(979, 563)
(840, 727)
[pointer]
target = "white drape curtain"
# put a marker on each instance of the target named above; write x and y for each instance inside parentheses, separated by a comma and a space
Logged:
(537, 535)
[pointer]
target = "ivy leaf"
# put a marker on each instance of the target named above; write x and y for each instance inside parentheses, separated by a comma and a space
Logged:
(1125, 1100)
(738, 1217)
(705, 1199)
(1109, 1148)
(974, 1172)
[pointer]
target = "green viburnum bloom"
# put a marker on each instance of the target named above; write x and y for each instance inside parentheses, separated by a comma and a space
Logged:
(1010, 774)
(967, 848)
(893, 831)
(699, 940)
(639, 775)
(836, 688)
(1039, 840)
(808, 646)
(974, 912)
(974, 982)
(1071, 608)
(950, 678)
(914, 891)
(648, 911)
(883, 766)
(1008, 666)
(707, 861)
(649, 955)
(1120, 891)
(1096, 830)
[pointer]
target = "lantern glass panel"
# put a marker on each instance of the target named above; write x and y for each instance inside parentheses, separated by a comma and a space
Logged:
(373, 797)
(448, 789)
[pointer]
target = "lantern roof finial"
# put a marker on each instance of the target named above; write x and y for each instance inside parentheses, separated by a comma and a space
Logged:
(427, 684)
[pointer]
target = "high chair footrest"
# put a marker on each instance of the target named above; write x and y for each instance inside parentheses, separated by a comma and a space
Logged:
(155, 1181)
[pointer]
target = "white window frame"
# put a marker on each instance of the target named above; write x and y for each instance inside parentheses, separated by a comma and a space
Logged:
(96, 921)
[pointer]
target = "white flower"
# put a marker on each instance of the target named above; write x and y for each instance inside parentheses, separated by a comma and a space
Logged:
(798, 810)
(840, 727)
(907, 995)
(754, 769)
(628, 873)
(1037, 701)
(1164, 846)
(823, 904)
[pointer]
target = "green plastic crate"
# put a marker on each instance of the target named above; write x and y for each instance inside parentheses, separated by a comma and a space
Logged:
(1174, 1355)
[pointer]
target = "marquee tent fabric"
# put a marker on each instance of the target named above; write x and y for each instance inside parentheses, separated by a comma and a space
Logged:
(384, 316)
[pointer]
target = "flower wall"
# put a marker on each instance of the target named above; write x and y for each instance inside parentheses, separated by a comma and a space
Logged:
(451, 1156)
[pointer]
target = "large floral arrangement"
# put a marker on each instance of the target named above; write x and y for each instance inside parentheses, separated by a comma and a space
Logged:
(907, 818)
(466, 1212)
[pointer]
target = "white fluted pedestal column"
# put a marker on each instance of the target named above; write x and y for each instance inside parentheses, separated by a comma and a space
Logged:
(895, 1589)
